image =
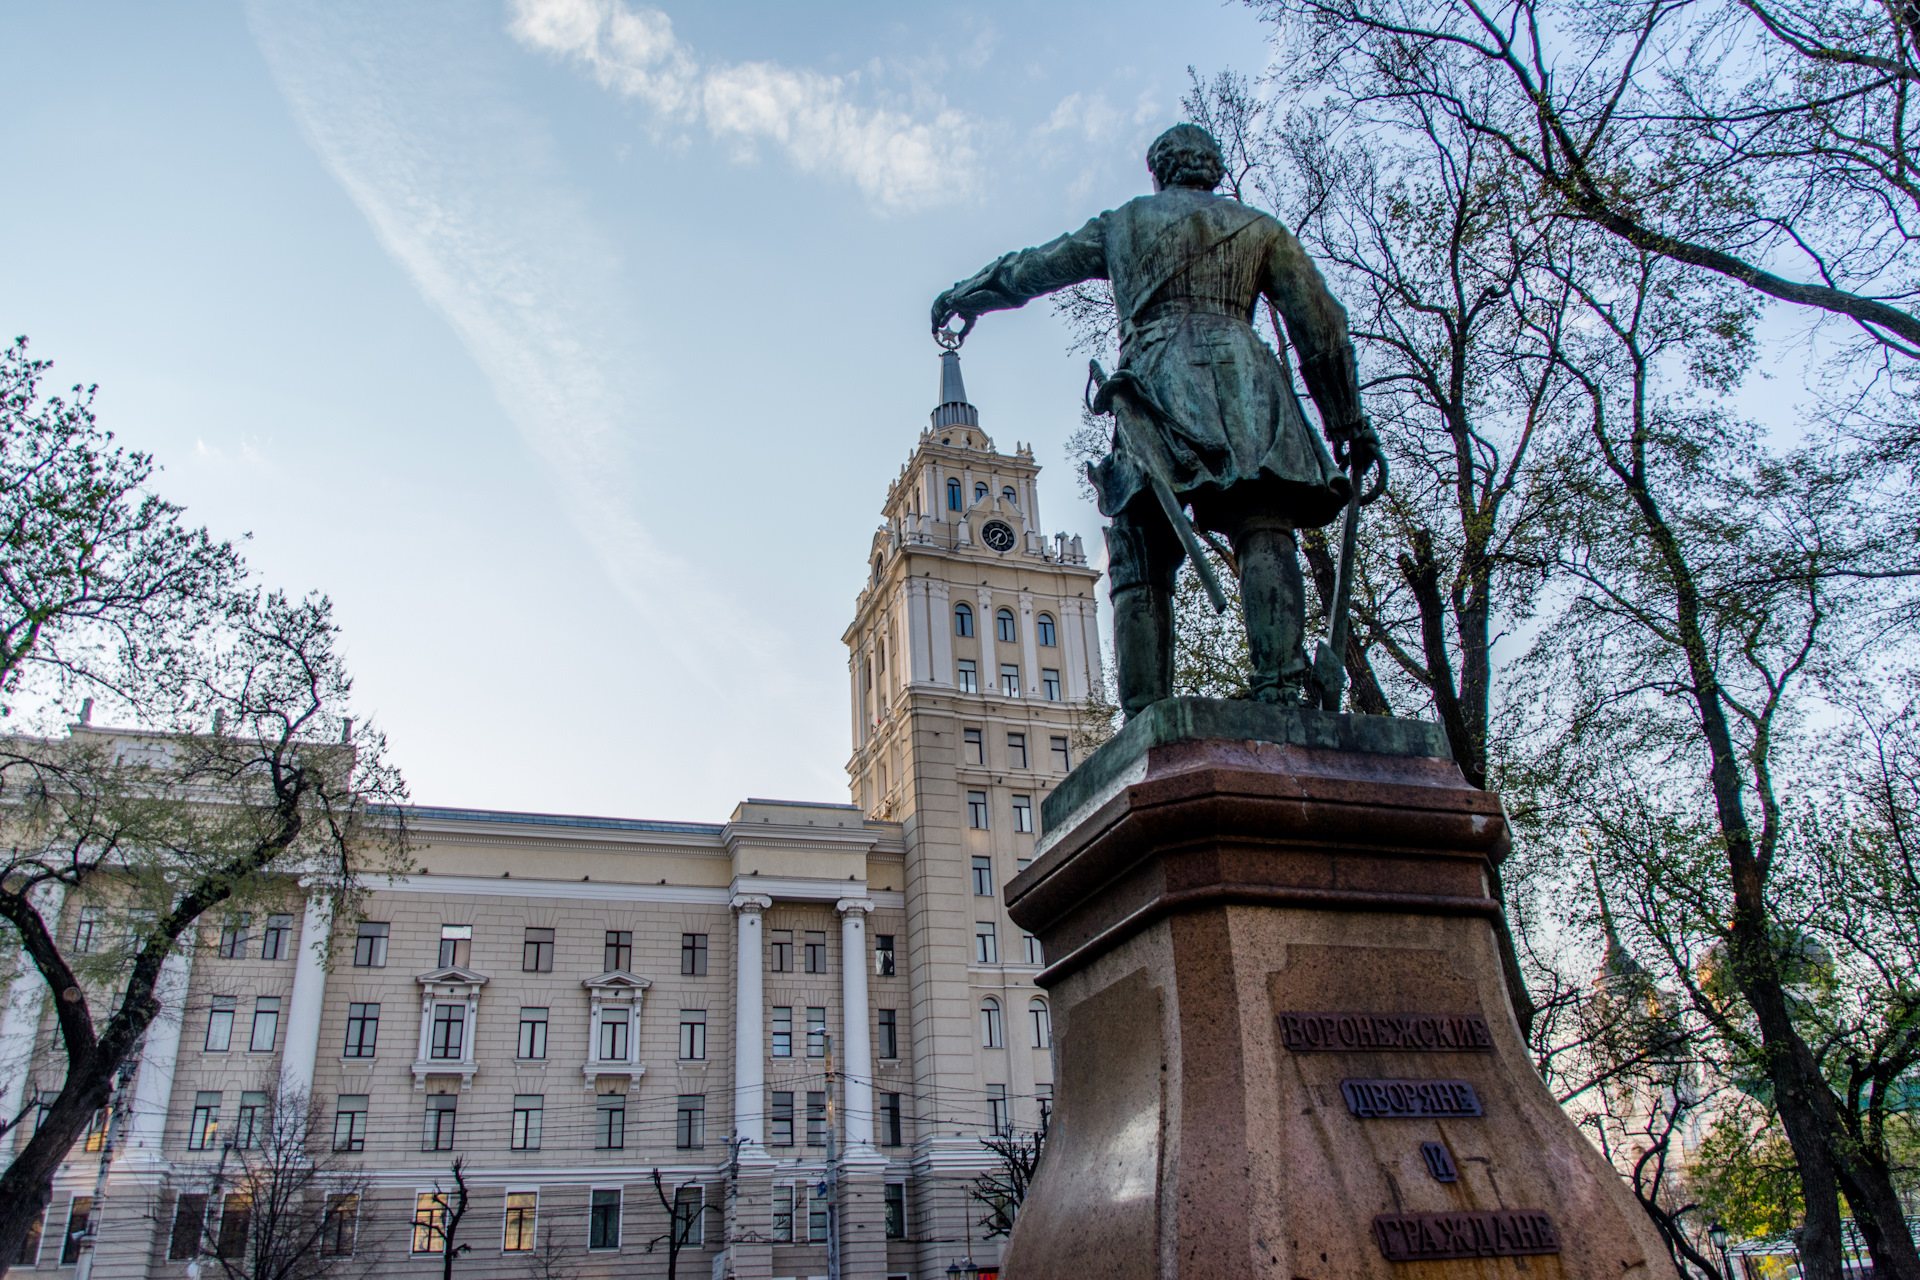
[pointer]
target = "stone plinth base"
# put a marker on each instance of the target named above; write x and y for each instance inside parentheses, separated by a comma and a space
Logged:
(1283, 1046)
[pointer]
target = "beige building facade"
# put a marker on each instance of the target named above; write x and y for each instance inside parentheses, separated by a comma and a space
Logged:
(805, 1018)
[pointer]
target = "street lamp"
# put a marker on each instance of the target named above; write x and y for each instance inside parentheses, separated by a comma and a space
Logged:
(953, 1271)
(1720, 1237)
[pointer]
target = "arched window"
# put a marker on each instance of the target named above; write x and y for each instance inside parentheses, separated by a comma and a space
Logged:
(1003, 624)
(979, 490)
(991, 1036)
(1008, 494)
(953, 495)
(1043, 628)
(962, 620)
(1042, 1023)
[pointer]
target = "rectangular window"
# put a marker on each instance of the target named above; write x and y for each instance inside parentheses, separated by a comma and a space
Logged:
(233, 937)
(529, 1115)
(370, 948)
(816, 1220)
(883, 955)
(969, 676)
(86, 932)
(976, 747)
(817, 1119)
(29, 1255)
(97, 1129)
(236, 1216)
(1034, 954)
(986, 943)
(889, 1034)
(783, 1031)
(816, 951)
(618, 954)
(1016, 751)
(603, 1226)
(693, 1035)
(449, 1031)
(350, 1122)
(982, 876)
(1050, 683)
(251, 1124)
(189, 1220)
(456, 946)
(690, 1122)
(442, 1109)
(363, 1030)
(613, 1035)
(536, 951)
(1060, 759)
(780, 1117)
(997, 1107)
(890, 1119)
(1010, 679)
(516, 1235)
(266, 1024)
(1023, 814)
(693, 954)
(781, 945)
(1043, 1095)
(533, 1033)
(205, 1125)
(816, 1031)
(977, 810)
(429, 1222)
(687, 1204)
(340, 1225)
(783, 1214)
(610, 1121)
(896, 1211)
(1021, 864)
(220, 1024)
(277, 941)
(79, 1212)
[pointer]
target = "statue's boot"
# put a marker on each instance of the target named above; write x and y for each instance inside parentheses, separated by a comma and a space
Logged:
(1142, 647)
(1272, 598)
(1140, 572)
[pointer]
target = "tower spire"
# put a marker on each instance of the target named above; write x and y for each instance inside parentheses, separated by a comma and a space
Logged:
(954, 411)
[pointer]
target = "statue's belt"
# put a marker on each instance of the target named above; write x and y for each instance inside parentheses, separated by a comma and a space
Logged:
(1173, 310)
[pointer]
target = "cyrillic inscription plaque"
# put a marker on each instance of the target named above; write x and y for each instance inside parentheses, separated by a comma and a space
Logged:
(1311, 1032)
(1404, 1099)
(1491, 1233)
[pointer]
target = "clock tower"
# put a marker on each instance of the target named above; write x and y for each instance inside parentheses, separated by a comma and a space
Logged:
(973, 644)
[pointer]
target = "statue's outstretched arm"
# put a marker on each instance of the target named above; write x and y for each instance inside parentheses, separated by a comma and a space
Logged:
(1018, 278)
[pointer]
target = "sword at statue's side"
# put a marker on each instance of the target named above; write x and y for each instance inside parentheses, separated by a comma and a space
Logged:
(1147, 453)
(1330, 661)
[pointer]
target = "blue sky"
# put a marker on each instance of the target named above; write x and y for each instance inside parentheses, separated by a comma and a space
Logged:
(570, 345)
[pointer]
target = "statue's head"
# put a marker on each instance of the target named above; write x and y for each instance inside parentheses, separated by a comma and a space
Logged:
(1186, 156)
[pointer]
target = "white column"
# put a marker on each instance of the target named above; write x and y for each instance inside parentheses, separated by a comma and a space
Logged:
(986, 630)
(302, 1046)
(853, 699)
(749, 1047)
(26, 997)
(153, 1086)
(1030, 654)
(940, 627)
(1073, 636)
(1090, 624)
(854, 1017)
(919, 641)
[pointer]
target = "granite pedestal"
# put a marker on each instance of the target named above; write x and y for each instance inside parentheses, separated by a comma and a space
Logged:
(1283, 1044)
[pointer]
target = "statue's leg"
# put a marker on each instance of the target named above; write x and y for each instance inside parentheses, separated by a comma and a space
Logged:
(1142, 558)
(1273, 599)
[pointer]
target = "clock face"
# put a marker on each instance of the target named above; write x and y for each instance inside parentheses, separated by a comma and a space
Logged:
(997, 535)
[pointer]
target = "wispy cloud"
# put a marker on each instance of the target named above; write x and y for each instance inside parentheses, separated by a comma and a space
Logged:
(461, 189)
(899, 161)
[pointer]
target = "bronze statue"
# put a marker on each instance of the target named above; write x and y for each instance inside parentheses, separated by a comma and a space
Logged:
(1205, 416)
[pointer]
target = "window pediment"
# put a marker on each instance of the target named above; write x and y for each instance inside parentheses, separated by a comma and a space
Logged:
(616, 983)
(452, 976)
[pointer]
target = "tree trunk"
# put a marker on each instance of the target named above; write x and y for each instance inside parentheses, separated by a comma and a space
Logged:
(1809, 1112)
(27, 1184)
